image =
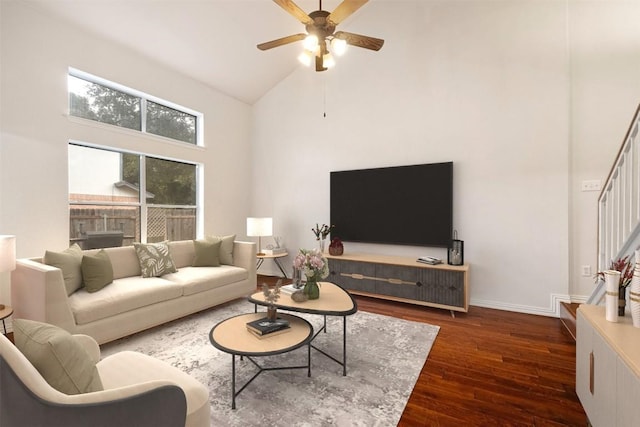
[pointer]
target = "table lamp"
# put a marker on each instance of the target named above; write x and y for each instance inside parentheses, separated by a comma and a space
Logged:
(259, 227)
(7, 258)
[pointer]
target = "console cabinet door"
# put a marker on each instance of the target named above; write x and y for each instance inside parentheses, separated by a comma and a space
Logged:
(596, 375)
(441, 287)
(627, 396)
(353, 275)
(397, 281)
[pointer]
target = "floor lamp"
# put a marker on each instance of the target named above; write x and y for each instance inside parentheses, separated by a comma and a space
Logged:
(258, 227)
(7, 263)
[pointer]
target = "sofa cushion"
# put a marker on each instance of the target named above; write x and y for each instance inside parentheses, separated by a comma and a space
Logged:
(97, 271)
(124, 261)
(69, 261)
(61, 360)
(207, 253)
(226, 249)
(200, 279)
(125, 294)
(155, 259)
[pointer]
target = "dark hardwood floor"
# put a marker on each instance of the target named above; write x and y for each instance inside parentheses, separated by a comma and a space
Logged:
(489, 368)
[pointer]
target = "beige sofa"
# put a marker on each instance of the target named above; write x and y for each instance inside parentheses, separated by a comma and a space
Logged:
(131, 303)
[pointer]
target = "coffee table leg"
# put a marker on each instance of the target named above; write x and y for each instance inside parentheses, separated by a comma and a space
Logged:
(233, 381)
(344, 346)
(309, 359)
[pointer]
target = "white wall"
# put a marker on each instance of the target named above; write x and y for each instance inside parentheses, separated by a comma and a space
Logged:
(36, 52)
(486, 84)
(605, 87)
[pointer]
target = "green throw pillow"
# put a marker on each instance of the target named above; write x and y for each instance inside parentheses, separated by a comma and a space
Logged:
(97, 271)
(155, 259)
(61, 360)
(69, 261)
(226, 249)
(207, 253)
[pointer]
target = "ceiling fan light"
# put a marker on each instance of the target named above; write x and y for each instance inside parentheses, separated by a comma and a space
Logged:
(328, 61)
(305, 58)
(338, 46)
(310, 42)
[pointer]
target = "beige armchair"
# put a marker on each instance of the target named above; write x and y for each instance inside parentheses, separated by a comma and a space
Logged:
(138, 390)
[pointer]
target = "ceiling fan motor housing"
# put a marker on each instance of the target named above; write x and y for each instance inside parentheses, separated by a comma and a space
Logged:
(321, 27)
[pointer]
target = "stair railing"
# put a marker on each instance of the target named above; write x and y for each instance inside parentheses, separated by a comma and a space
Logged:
(619, 205)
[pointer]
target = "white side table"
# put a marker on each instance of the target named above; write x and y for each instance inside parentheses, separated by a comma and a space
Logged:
(275, 258)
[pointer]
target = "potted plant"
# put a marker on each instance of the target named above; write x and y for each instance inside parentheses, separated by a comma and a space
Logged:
(271, 296)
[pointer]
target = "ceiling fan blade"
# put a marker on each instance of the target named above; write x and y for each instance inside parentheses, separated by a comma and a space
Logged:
(344, 9)
(358, 40)
(280, 42)
(294, 10)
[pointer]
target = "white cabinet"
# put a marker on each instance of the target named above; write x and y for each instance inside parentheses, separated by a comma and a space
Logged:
(607, 368)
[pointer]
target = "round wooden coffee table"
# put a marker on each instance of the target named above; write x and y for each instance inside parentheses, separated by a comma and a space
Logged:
(231, 336)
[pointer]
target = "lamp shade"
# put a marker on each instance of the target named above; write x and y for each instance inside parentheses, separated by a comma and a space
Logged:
(7, 253)
(259, 227)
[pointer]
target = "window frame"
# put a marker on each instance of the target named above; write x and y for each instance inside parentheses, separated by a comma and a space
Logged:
(144, 97)
(142, 203)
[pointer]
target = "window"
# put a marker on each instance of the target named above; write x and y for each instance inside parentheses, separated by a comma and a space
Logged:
(97, 99)
(117, 198)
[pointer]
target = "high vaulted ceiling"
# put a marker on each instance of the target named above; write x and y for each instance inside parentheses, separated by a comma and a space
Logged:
(212, 41)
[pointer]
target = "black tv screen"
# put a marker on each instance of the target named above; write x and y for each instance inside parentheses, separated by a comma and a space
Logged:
(404, 205)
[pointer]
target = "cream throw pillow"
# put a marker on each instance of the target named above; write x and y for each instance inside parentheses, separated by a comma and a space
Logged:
(155, 259)
(61, 360)
(69, 261)
(226, 248)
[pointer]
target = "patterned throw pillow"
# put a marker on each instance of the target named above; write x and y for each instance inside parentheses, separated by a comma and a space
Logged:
(155, 259)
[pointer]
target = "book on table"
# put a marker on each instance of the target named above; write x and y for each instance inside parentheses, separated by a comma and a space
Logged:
(264, 326)
(290, 289)
(270, 334)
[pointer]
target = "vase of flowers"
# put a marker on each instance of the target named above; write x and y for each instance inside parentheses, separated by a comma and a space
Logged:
(271, 296)
(321, 234)
(315, 267)
(625, 267)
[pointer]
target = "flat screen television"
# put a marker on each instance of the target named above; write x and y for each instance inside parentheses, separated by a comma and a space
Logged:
(402, 205)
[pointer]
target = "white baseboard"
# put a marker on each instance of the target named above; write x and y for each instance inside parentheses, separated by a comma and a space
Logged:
(553, 310)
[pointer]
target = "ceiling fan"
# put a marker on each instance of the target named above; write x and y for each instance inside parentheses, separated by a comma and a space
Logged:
(321, 32)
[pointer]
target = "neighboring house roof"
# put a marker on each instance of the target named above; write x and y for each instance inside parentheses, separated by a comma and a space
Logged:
(133, 187)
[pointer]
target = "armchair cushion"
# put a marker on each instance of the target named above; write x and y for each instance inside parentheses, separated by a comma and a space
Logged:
(61, 359)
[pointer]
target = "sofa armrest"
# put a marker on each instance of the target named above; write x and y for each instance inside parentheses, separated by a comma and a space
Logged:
(244, 255)
(38, 293)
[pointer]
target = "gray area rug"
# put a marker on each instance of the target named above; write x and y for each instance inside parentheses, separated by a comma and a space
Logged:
(384, 358)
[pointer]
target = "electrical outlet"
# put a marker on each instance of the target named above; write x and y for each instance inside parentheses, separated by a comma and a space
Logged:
(591, 185)
(586, 270)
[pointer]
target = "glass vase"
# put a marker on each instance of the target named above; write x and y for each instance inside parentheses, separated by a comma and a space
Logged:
(312, 290)
(321, 245)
